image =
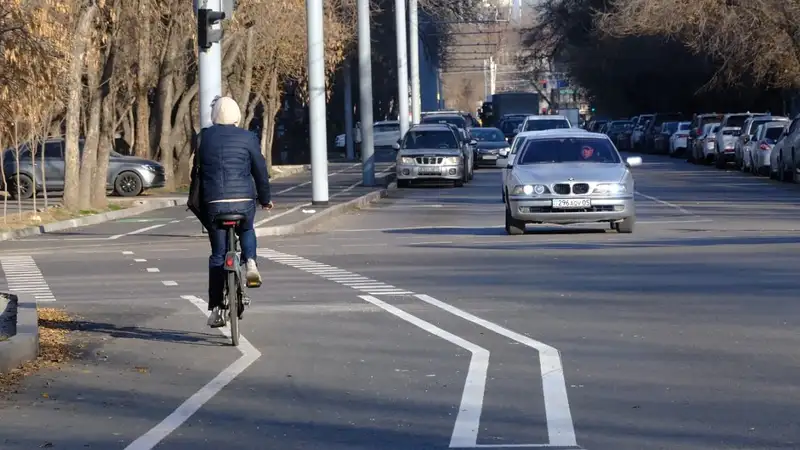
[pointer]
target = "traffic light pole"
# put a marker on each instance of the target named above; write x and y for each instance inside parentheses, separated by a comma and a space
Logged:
(210, 69)
(316, 104)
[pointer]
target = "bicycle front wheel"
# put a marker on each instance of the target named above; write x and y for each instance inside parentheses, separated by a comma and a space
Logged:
(233, 307)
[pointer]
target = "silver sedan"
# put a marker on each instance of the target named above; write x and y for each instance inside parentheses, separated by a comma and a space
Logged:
(567, 177)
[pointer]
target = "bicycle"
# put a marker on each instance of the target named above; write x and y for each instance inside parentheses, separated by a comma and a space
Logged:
(234, 297)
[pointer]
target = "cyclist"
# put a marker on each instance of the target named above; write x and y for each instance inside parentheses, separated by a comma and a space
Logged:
(233, 176)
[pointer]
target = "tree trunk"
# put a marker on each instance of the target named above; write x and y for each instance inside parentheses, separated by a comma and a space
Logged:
(166, 96)
(100, 179)
(89, 158)
(271, 108)
(143, 83)
(247, 81)
(74, 87)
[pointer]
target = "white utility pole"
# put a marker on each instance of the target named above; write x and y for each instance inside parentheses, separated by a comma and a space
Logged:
(402, 64)
(316, 104)
(413, 35)
(365, 94)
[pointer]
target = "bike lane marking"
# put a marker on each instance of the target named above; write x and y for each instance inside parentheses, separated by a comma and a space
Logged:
(560, 427)
(189, 407)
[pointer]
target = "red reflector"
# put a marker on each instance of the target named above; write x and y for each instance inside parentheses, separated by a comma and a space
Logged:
(764, 147)
(229, 223)
(229, 261)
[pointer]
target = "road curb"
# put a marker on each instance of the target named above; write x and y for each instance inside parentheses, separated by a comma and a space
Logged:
(23, 346)
(148, 205)
(334, 211)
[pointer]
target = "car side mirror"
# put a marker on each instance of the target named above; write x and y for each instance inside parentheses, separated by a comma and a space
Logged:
(396, 145)
(473, 142)
(633, 161)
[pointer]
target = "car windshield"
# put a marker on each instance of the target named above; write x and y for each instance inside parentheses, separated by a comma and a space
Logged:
(427, 139)
(684, 126)
(386, 127)
(568, 149)
(736, 121)
(773, 133)
(453, 120)
(487, 135)
(509, 125)
(546, 124)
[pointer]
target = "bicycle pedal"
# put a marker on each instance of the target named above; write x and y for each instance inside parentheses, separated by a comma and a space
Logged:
(246, 301)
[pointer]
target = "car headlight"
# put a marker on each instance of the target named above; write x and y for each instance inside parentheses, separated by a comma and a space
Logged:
(610, 188)
(504, 151)
(451, 160)
(405, 160)
(530, 189)
(150, 168)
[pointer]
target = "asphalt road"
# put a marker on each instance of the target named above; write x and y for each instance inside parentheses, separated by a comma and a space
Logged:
(418, 324)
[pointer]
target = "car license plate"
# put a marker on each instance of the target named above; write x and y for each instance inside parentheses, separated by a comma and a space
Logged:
(430, 171)
(571, 203)
(489, 157)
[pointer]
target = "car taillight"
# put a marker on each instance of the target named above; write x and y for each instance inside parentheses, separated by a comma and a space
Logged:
(699, 131)
(764, 147)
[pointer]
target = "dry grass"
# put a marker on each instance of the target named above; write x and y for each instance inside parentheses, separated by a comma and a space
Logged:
(14, 220)
(54, 348)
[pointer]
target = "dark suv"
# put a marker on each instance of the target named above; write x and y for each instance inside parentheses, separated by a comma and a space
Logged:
(128, 176)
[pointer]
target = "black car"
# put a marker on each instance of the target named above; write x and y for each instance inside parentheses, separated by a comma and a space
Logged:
(491, 146)
(128, 176)
(509, 123)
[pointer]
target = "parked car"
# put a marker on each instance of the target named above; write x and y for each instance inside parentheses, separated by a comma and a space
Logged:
(653, 129)
(757, 151)
(616, 128)
(568, 177)
(696, 128)
(637, 135)
(661, 139)
(779, 168)
(748, 130)
(623, 141)
(491, 146)
(128, 176)
(703, 145)
(431, 152)
(725, 140)
(678, 141)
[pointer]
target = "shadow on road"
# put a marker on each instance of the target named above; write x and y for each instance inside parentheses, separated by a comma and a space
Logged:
(146, 334)
(490, 231)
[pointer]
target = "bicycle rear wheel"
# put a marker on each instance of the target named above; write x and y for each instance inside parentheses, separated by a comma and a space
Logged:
(233, 307)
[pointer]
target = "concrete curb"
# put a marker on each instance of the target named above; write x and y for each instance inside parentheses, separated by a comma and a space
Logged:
(148, 205)
(334, 211)
(23, 346)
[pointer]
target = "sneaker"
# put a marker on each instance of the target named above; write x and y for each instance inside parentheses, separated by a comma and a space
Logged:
(251, 273)
(216, 319)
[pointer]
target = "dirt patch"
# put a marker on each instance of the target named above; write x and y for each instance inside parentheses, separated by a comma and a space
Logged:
(14, 220)
(54, 348)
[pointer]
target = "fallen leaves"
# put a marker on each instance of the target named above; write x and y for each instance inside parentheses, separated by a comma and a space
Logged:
(54, 349)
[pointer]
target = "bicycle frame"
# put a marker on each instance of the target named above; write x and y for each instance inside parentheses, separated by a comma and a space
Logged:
(234, 288)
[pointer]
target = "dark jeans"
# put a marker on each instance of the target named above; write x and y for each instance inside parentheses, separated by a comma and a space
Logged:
(245, 231)
(219, 245)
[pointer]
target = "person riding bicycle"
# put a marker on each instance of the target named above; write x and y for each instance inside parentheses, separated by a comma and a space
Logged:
(233, 176)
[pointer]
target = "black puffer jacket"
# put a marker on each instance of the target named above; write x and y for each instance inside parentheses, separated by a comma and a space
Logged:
(232, 166)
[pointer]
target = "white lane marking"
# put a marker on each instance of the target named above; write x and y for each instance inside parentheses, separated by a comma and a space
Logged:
(140, 230)
(127, 252)
(560, 427)
(153, 269)
(188, 408)
(139, 260)
(271, 217)
(24, 276)
(666, 203)
(465, 431)
(656, 222)
(174, 221)
(358, 183)
(191, 217)
(170, 283)
(291, 188)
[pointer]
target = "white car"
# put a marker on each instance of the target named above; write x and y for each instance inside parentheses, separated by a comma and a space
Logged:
(677, 142)
(544, 122)
(566, 177)
(384, 135)
(505, 162)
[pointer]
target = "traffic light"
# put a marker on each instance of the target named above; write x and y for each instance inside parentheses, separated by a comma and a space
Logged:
(206, 35)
